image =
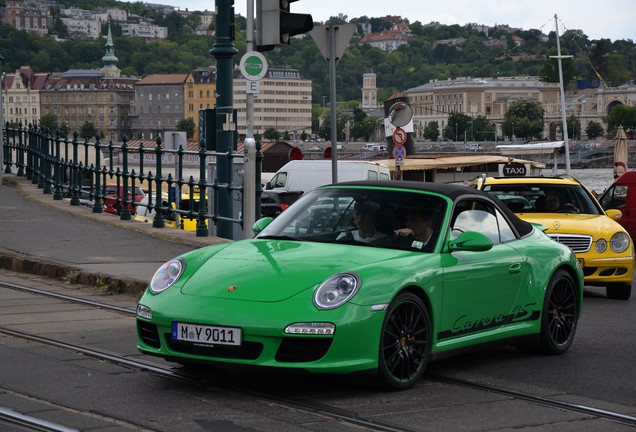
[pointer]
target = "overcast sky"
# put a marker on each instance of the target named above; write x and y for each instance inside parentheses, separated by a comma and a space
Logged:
(612, 19)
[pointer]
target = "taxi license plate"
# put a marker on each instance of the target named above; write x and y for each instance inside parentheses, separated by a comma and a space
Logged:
(207, 335)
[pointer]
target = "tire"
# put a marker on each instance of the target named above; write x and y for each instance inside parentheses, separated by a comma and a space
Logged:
(405, 343)
(560, 314)
(619, 291)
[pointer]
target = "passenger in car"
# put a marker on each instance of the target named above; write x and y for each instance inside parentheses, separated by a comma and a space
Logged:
(366, 215)
(418, 224)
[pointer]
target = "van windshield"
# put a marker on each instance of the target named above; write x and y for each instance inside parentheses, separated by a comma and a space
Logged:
(278, 181)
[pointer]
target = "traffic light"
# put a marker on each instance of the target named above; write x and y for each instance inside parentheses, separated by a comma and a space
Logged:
(276, 24)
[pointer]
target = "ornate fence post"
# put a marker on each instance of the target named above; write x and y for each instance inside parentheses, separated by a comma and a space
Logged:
(125, 209)
(57, 168)
(76, 179)
(97, 202)
(46, 179)
(20, 153)
(158, 221)
(202, 228)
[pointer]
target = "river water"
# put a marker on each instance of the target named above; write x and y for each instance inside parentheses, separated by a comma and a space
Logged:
(595, 179)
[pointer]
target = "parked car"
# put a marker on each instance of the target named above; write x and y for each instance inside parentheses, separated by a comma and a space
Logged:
(274, 203)
(305, 295)
(114, 195)
(621, 195)
(172, 219)
(604, 249)
(473, 147)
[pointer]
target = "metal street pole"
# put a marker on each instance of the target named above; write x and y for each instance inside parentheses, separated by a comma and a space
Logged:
(331, 30)
(224, 52)
(249, 161)
(564, 127)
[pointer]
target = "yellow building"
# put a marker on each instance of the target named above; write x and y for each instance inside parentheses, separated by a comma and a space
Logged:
(200, 89)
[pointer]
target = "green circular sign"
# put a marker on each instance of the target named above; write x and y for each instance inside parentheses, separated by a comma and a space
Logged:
(253, 66)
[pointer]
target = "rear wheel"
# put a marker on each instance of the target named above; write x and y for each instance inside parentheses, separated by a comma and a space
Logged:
(619, 291)
(405, 343)
(560, 314)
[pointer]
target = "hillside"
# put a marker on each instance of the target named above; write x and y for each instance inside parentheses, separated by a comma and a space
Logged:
(426, 56)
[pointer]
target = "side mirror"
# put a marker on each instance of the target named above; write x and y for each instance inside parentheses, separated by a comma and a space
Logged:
(614, 214)
(268, 185)
(470, 241)
(260, 224)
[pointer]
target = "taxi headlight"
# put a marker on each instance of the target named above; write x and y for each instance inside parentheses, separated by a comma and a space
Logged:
(336, 290)
(619, 242)
(167, 275)
(601, 245)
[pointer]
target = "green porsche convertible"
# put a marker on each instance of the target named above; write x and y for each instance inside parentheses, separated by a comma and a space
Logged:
(376, 277)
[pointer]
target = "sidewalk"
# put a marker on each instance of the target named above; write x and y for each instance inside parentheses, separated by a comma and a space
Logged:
(48, 237)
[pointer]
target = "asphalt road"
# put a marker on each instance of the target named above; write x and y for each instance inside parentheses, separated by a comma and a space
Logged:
(85, 393)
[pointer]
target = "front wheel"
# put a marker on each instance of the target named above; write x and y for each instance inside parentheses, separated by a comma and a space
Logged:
(619, 291)
(405, 343)
(560, 314)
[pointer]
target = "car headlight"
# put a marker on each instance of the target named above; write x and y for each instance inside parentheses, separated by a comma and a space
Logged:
(619, 242)
(601, 245)
(336, 290)
(167, 274)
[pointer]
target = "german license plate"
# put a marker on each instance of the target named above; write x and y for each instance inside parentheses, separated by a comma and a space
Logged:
(206, 335)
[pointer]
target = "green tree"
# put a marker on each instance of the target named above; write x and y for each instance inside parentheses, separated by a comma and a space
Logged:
(620, 115)
(271, 134)
(594, 130)
(482, 129)
(48, 121)
(365, 128)
(186, 125)
(550, 70)
(574, 127)
(88, 130)
(431, 131)
(524, 119)
(458, 126)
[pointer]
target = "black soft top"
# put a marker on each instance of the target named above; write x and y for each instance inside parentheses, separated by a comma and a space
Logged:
(452, 191)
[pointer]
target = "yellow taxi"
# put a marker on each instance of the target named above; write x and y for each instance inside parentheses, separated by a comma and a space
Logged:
(572, 216)
(172, 218)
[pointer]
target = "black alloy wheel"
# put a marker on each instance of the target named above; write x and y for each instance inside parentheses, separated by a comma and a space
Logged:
(560, 314)
(405, 343)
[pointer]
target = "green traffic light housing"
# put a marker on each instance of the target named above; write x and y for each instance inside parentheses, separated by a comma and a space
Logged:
(276, 24)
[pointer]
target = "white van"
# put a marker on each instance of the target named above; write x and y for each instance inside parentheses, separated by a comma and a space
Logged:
(305, 175)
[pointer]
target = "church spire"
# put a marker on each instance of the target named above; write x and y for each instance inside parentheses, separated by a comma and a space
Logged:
(110, 68)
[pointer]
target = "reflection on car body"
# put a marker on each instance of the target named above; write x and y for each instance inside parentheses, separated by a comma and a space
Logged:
(300, 295)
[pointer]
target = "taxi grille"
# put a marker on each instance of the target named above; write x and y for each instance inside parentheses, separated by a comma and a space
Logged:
(578, 243)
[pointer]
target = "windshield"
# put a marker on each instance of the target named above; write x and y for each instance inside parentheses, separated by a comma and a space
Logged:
(545, 198)
(362, 216)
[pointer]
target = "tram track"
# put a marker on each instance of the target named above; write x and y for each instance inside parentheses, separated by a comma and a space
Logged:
(307, 406)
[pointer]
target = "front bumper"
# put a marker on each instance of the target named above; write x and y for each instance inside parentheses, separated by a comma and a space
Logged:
(352, 348)
(601, 271)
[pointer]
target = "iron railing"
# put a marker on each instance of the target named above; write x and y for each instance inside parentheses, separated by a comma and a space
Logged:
(80, 171)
